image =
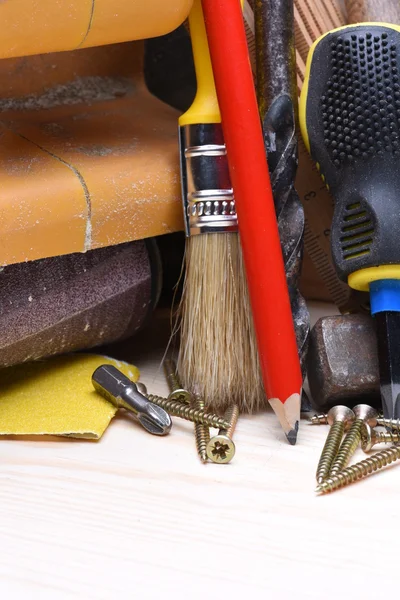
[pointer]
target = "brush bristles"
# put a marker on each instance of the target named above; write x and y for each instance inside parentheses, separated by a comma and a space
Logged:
(218, 357)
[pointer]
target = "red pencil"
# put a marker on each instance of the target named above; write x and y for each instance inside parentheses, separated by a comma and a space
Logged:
(258, 228)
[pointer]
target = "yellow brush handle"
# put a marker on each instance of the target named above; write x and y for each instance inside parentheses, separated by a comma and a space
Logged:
(205, 107)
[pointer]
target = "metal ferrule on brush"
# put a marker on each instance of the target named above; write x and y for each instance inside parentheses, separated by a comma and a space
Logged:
(207, 195)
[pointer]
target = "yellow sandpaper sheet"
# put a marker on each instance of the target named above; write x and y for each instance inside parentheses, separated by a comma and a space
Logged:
(56, 397)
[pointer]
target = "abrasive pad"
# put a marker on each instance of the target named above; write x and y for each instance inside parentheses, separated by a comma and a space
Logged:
(56, 397)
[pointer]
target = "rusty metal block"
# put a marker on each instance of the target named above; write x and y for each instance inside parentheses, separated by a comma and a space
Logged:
(342, 363)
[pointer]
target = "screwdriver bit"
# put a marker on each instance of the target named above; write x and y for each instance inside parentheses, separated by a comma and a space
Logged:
(123, 393)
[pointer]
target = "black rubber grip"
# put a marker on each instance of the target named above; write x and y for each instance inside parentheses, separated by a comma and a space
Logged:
(353, 124)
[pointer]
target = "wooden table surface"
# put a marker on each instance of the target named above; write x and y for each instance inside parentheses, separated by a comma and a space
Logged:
(139, 516)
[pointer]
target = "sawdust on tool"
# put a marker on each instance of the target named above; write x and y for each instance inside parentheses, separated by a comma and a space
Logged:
(81, 90)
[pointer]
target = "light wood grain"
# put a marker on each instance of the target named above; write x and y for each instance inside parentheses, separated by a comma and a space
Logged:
(386, 11)
(137, 516)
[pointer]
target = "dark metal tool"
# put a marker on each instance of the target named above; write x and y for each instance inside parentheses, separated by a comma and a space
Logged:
(342, 362)
(350, 118)
(277, 101)
(123, 393)
(388, 335)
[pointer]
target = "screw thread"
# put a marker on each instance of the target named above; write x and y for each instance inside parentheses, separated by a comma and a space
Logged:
(348, 447)
(359, 470)
(330, 450)
(321, 419)
(202, 433)
(390, 437)
(177, 392)
(178, 409)
(391, 423)
(231, 415)
(171, 375)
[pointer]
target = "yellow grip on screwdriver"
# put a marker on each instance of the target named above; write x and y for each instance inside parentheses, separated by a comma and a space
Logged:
(350, 122)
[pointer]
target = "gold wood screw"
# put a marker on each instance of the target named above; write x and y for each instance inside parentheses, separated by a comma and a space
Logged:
(221, 449)
(339, 418)
(359, 470)
(321, 419)
(390, 423)
(370, 437)
(179, 409)
(364, 414)
(202, 434)
(177, 392)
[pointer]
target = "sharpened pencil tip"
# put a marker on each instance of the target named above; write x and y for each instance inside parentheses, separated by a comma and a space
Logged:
(288, 413)
(292, 434)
